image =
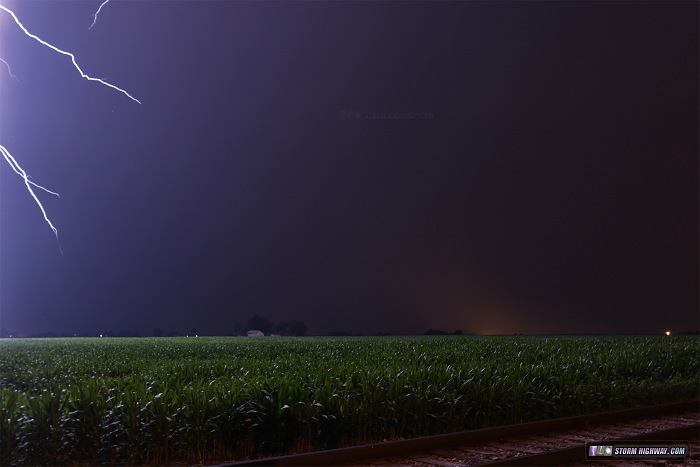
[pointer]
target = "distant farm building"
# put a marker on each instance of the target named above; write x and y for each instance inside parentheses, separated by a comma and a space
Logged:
(255, 333)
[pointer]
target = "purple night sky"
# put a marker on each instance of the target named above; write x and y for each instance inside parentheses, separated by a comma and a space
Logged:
(495, 167)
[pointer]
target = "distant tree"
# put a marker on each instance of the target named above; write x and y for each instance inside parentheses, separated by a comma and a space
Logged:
(459, 332)
(158, 332)
(238, 328)
(281, 328)
(435, 332)
(339, 333)
(296, 328)
(174, 334)
(259, 323)
(193, 332)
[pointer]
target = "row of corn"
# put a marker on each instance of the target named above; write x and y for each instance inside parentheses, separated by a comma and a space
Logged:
(198, 400)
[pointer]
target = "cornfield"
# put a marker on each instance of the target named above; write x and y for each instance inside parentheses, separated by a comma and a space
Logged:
(200, 400)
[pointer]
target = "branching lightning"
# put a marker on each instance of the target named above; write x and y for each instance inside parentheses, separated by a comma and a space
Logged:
(63, 52)
(6, 153)
(94, 17)
(20, 171)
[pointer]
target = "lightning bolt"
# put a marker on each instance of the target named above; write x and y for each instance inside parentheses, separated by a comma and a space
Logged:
(94, 20)
(20, 171)
(6, 154)
(68, 54)
(9, 71)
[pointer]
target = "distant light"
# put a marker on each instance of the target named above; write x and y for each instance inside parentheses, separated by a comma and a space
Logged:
(100, 335)
(668, 333)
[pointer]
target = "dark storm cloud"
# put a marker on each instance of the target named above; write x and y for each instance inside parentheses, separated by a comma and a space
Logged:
(276, 167)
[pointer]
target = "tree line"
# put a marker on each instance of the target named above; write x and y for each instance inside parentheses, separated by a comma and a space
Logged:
(282, 328)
